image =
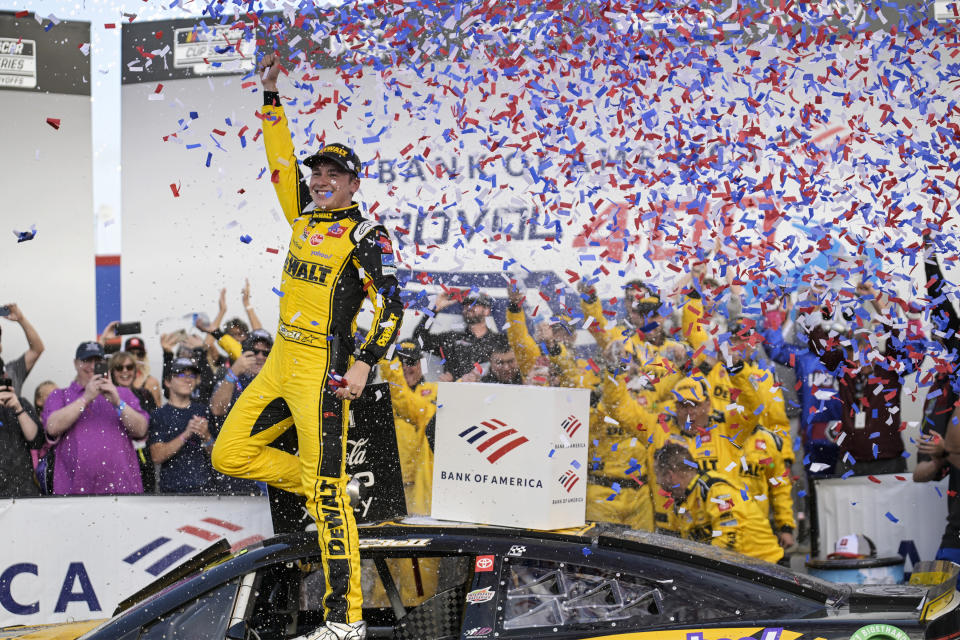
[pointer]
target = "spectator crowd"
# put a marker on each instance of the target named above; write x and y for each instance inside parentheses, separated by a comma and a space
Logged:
(693, 430)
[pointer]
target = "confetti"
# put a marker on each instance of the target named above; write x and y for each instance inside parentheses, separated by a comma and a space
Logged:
(26, 236)
(245, 239)
(54, 122)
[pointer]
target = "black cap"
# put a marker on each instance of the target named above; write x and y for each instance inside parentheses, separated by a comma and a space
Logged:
(255, 336)
(134, 344)
(408, 352)
(88, 350)
(478, 298)
(183, 364)
(341, 155)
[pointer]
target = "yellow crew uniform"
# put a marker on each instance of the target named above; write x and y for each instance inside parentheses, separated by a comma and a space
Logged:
(714, 512)
(617, 487)
(705, 448)
(335, 259)
(413, 411)
(757, 450)
(659, 372)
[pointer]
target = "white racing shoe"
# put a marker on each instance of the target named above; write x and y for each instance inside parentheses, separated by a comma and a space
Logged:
(338, 631)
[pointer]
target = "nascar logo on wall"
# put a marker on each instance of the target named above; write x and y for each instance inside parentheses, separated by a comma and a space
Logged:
(18, 63)
(511, 455)
(212, 49)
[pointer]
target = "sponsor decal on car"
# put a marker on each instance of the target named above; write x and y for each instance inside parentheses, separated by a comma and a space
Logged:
(379, 543)
(478, 632)
(479, 596)
(517, 550)
(879, 632)
(484, 563)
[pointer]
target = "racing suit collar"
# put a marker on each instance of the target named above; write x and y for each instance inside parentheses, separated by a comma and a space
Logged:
(334, 214)
(690, 487)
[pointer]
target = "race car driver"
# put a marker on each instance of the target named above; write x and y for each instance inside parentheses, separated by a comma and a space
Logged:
(335, 259)
(711, 509)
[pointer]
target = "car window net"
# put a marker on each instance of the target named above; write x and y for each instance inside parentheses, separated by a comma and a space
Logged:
(553, 595)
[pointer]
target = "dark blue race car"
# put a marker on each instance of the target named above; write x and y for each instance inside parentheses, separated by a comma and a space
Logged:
(441, 580)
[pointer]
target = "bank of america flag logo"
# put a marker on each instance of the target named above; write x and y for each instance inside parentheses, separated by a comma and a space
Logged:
(569, 480)
(570, 426)
(494, 436)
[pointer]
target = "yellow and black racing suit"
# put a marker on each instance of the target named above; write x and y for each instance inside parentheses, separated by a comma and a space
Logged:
(656, 430)
(335, 259)
(715, 512)
(757, 449)
(414, 409)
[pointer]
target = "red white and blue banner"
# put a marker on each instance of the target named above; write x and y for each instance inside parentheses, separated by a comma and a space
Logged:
(76, 558)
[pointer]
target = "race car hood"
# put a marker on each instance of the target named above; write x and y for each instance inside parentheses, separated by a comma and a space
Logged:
(64, 631)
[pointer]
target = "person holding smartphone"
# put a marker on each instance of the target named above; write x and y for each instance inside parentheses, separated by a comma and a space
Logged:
(19, 368)
(94, 423)
(19, 434)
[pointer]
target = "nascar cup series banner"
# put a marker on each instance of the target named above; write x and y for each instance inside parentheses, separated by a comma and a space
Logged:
(76, 558)
(511, 455)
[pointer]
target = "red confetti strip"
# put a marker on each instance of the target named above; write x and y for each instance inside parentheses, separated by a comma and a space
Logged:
(54, 122)
(175, 188)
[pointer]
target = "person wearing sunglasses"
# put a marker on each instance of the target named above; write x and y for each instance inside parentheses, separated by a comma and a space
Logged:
(94, 423)
(123, 367)
(253, 354)
(181, 434)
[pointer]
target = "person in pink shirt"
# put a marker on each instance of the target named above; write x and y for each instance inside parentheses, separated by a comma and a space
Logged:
(93, 423)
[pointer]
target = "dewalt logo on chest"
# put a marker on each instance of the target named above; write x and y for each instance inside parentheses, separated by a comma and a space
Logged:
(307, 271)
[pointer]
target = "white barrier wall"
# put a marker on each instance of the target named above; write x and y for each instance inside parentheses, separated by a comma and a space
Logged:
(46, 184)
(890, 512)
(76, 558)
(511, 455)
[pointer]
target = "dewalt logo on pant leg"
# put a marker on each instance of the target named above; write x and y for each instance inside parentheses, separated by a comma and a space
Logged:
(332, 516)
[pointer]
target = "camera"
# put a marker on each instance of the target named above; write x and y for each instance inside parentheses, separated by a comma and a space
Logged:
(100, 368)
(5, 310)
(6, 382)
(128, 328)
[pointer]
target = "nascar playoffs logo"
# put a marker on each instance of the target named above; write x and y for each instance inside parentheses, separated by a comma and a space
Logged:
(495, 436)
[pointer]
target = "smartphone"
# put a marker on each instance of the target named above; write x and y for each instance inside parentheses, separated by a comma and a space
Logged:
(6, 382)
(128, 328)
(4, 310)
(100, 368)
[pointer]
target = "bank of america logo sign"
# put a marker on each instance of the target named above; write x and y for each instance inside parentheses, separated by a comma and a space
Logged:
(569, 480)
(570, 426)
(493, 436)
